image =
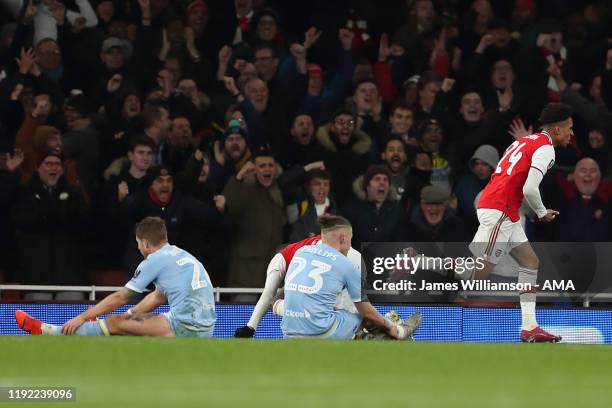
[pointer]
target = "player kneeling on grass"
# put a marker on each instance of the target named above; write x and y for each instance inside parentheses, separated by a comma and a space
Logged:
(316, 276)
(180, 279)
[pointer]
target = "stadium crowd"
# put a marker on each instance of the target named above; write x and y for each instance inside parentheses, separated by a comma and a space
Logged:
(239, 122)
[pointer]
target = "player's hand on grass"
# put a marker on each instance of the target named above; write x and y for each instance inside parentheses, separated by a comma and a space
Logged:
(71, 326)
(244, 332)
(550, 215)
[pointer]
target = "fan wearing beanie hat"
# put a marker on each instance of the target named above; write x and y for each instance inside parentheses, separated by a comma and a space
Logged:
(482, 164)
(231, 155)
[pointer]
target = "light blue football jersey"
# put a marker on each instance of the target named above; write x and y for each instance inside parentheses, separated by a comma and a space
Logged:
(315, 277)
(185, 283)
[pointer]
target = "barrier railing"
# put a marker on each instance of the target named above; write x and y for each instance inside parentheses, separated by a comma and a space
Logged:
(586, 298)
(93, 289)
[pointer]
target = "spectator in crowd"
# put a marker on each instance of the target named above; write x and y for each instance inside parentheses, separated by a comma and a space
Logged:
(302, 148)
(323, 98)
(180, 143)
(430, 142)
(159, 198)
(482, 164)
(266, 30)
(48, 213)
(256, 209)
(156, 121)
(317, 201)
(208, 243)
(9, 187)
(401, 121)
(80, 142)
(418, 177)
(42, 111)
(367, 105)
(428, 87)
(532, 62)
(585, 211)
(395, 160)
(433, 220)
(122, 120)
(128, 182)
(232, 156)
(495, 44)
(598, 147)
(472, 127)
(375, 213)
(416, 35)
(347, 150)
(244, 16)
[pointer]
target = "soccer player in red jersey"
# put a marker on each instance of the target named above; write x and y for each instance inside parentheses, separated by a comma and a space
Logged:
(517, 177)
(275, 276)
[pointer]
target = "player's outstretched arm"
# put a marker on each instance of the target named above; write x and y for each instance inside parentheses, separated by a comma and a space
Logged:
(369, 313)
(150, 302)
(106, 305)
(276, 270)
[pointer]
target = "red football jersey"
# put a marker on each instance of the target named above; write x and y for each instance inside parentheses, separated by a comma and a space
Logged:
(291, 249)
(504, 192)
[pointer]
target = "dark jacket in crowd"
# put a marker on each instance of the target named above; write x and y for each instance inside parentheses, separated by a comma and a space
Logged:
(372, 223)
(48, 222)
(450, 229)
(345, 161)
(258, 218)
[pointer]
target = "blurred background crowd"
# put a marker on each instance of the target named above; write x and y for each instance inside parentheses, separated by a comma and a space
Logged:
(239, 122)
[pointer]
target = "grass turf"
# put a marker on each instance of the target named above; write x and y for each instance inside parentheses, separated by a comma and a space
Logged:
(149, 372)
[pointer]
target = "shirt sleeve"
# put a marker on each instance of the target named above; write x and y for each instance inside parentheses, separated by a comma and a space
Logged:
(531, 191)
(353, 282)
(273, 280)
(145, 273)
(543, 158)
(355, 257)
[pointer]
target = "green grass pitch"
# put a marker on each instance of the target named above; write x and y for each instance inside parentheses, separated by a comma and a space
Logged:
(155, 372)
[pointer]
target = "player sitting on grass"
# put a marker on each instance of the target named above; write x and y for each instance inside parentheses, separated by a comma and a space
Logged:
(277, 269)
(180, 279)
(316, 276)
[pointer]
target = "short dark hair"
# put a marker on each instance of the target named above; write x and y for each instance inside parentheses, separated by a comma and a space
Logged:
(343, 112)
(141, 140)
(554, 113)
(153, 229)
(265, 46)
(400, 104)
(394, 138)
(328, 222)
(318, 173)
(364, 81)
(151, 113)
